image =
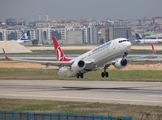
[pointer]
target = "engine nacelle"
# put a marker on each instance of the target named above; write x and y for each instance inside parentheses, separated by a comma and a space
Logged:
(121, 63)
(78, 65)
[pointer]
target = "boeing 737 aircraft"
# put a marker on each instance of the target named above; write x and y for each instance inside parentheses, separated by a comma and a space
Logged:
(113, 53)
(24, 40)
(149, 39)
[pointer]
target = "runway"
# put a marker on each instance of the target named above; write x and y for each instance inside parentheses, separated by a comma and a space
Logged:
(140, 93)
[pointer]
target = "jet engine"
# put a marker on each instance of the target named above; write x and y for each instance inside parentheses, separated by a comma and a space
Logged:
(121, 63)
(78, 65)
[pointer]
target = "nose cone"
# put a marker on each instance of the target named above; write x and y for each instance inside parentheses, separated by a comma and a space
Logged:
(128, 45)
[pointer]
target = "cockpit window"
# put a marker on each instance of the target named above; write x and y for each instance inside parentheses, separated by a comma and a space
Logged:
(123, 41)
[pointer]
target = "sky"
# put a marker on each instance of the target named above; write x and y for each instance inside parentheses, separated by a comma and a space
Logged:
(79, 9)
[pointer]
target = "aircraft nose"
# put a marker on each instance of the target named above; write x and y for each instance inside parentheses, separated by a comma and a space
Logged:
(128, 44)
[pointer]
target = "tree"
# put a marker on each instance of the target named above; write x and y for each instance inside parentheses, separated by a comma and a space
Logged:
(35, 42)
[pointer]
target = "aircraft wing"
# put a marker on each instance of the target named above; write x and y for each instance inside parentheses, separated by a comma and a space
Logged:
(52, 63)
(49, 63)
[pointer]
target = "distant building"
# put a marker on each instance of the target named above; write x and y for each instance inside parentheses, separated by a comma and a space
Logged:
(90, 33)
(13, 22)
(45, 34)
(3, 35)
(10, 34)
(157, 20)
(115, 32)
(54, 24)
(93, 35)
(33, 34)
(59, 32)
(86, 35)
(75, 37)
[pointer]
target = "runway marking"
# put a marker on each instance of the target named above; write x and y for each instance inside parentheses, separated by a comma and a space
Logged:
(83, 98)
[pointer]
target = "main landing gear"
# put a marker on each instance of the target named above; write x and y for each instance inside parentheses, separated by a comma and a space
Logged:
(105, 74)
(81, 75)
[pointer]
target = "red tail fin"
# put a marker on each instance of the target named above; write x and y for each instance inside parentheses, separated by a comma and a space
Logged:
(59, 53)
(153, 50)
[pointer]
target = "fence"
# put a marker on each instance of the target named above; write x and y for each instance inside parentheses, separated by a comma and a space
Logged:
(51, 116)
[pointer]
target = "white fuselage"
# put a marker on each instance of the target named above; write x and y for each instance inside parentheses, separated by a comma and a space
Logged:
(100, 56)
(149, 41)
(24, 42)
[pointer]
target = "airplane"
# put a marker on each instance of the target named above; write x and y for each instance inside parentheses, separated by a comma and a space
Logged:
(149, 39)
(24, 40)
(113, 52)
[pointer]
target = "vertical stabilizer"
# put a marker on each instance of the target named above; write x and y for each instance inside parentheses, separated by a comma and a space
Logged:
(25, 36)
(153, 50)
(138, 37)
(58, 51)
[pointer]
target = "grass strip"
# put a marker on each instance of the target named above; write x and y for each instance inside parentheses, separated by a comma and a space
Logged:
(89, 108)
(114, 75)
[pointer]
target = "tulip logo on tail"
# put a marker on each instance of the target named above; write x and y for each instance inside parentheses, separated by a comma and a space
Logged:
(60, 55)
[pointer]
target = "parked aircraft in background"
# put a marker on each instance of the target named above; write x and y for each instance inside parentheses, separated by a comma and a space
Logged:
(152, 39)
(24, 40)
(113, 53)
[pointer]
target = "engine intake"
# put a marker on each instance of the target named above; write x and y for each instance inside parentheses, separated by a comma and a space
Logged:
(124, 62)
(78, 65)
(121, 63)
(81, 63)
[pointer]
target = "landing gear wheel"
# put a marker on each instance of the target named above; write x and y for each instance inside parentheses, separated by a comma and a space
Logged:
(106, 74)
(81, 75)
(102, 74)
(77, 75)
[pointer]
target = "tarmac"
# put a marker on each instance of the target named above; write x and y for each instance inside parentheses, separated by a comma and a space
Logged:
(137, 93)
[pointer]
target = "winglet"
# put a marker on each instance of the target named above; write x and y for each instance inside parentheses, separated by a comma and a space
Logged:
(5, 54)
(153, 50)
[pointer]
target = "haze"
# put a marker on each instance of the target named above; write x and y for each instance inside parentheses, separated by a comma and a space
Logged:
(79, 9)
